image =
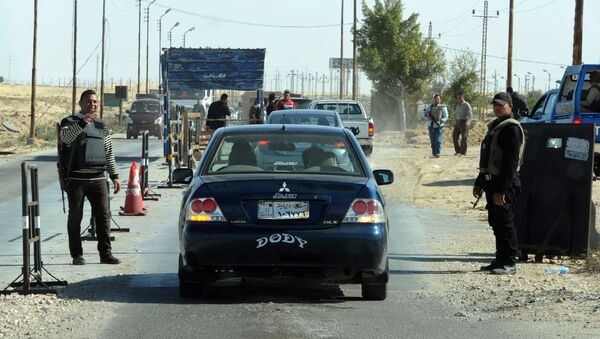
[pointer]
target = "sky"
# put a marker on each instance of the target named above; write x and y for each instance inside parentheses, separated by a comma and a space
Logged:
(297, 34)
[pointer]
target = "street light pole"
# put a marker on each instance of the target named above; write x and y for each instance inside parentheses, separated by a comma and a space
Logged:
(147, 39)
(518, 82)
(31, 138)
(549, 76)
(139, 43)
(171, 34)
(160, 47)
(532, 81)
(186, 32)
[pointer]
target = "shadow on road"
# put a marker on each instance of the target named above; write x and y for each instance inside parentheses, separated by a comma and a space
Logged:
(438, 258)
(446, 183)
(163, 289)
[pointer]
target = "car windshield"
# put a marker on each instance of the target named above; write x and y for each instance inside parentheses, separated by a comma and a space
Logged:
(303, 119)
(145, 107)
(271, 152)
(340, 107)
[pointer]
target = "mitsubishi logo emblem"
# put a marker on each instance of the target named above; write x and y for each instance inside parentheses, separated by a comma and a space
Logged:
(284, 188)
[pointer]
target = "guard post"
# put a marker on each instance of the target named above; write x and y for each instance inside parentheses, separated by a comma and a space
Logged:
(32, 282)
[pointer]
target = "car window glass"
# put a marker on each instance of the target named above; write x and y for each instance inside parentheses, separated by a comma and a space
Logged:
(341, 108)
(288, 152)
(537, 108)
(303, 119)
(145, 107)
(550, 104)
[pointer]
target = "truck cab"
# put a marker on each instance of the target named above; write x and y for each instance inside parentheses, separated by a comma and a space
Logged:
(577, 101)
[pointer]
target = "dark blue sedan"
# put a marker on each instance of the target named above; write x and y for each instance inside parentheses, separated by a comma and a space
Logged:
(295, 212)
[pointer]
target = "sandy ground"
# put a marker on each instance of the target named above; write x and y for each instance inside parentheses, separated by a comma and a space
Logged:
(443, 183)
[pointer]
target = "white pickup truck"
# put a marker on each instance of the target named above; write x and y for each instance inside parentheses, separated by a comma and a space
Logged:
(353, 117)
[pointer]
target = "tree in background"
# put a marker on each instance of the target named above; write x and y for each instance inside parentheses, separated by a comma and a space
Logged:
(394, 55)
(1, 79)
(463, 78)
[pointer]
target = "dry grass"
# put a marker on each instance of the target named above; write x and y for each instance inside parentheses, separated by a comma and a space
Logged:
(52, 104)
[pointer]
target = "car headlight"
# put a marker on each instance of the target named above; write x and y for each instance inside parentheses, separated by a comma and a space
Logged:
(129, 121)
(158, 121)
(365, 211)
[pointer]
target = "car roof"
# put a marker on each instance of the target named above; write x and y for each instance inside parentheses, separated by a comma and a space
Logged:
(304, 111)
(146, 100)
(337, 101)
(244, 129)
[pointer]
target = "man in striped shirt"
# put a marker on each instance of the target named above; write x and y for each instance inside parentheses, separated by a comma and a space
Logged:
(87, 155)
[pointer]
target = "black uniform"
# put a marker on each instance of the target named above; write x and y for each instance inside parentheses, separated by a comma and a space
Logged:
(519, 106)
(217, 110)
(501, 218)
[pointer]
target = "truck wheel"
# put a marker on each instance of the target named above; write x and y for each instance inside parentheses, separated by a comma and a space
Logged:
(374, 291)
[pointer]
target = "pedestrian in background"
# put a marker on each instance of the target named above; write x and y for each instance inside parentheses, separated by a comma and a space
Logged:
(500, 159)
(254, 114)
(87, 154)
(217, 111)
(461, 125)
(437, 114)
(270, 104)
(286, 102)
(519, 107)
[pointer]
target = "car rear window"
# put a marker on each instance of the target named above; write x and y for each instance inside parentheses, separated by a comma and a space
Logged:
(303, 119)
(341, 108)
(284, 152)
(145, 107)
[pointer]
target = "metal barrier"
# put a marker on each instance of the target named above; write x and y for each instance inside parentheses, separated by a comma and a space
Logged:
(147, 193)
(171, 163)
(32, 282)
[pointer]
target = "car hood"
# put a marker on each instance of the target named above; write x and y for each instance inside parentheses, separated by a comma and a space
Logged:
(328, 198)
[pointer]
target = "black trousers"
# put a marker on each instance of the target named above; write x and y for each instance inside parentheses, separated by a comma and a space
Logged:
(96, 191)
(502, 221)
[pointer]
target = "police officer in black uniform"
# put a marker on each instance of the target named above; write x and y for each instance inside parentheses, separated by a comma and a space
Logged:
(501, 152)
(86, 155)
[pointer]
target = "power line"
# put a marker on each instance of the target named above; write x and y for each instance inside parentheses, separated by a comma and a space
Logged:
(458, 17)
(504, 58)
(536, 8)
(246, 23)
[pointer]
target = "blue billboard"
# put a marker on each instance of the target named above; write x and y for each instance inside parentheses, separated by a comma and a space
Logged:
(189, 71)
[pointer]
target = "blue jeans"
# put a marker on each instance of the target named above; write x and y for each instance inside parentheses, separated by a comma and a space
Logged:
(435, 137)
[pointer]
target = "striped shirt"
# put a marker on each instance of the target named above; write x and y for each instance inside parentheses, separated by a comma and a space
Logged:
(69, 133)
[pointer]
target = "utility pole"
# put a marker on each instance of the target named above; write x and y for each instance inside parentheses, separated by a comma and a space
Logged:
(483, 77)
(342, 52)
(578, 33)
(354, 61)
(31, 138)
(102, 62)
(139, 42)
(510, 44)
(74, 94)
(147, 40)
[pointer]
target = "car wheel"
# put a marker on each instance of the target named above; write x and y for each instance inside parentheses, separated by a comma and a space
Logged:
(186, 288)
(374, 291)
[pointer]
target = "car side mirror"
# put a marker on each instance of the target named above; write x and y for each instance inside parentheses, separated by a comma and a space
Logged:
(383, 177)
(182, 176)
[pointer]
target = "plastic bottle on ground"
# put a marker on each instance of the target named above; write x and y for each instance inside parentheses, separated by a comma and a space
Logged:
(557, 269)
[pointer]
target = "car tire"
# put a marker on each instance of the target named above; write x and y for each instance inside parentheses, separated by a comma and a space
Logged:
(374, 291)
(187, 289)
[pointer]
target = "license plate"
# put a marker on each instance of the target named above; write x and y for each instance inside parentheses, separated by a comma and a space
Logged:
(282, 210)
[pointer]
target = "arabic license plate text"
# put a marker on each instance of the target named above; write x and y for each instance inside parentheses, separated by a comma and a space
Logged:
(281, 210)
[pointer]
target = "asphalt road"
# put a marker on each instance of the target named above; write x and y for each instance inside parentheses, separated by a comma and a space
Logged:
(143, 290)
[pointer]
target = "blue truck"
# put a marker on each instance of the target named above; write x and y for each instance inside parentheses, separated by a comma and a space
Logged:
(576, 101)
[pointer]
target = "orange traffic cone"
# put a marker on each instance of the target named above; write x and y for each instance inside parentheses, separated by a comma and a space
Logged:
(134, 204)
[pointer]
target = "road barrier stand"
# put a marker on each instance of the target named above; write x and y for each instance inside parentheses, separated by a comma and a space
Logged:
(32, 282)
(147, 193)
(170, 160)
